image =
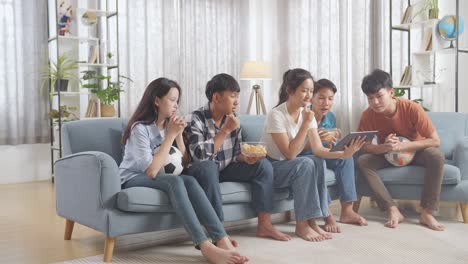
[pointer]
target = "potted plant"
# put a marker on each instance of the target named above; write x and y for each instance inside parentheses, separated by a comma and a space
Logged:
(65, 111)
(432, 7)
(59, 73)
(399, 92)
(106, 90)
(109, 56)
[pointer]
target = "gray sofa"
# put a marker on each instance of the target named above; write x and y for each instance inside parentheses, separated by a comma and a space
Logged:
(88, 187)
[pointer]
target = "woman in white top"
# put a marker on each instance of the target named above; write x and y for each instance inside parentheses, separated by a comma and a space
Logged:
(290, 128)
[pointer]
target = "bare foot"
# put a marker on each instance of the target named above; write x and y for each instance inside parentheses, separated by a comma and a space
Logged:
(269, 231)
(394, 217)
(353, 218)
(304, 231)
(234, 242)
(319, 230)
(225, 243)
(427, 219)
(217, 255)
(330, 223)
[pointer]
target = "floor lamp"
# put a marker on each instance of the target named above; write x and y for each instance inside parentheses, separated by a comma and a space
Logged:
(256, 71)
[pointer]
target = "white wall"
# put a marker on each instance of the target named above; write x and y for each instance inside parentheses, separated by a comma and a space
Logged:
(23, 163)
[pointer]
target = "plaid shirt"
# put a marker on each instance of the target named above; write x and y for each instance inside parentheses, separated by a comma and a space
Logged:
(201, 132)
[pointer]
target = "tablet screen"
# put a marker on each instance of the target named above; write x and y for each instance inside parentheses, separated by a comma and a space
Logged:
(339, 146)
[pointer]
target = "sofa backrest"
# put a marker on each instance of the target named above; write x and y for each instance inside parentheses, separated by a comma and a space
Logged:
(94, 135)
(105, 134)
(252, 127)
(451, 127)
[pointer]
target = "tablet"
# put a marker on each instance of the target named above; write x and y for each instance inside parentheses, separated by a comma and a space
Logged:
(339, 146)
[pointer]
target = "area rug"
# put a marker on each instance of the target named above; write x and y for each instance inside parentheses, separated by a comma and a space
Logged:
(410, 243)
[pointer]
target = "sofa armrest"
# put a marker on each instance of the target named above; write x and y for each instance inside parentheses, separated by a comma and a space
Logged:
(86, 184)
(460, 156)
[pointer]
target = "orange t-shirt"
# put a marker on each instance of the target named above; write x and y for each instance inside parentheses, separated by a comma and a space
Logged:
(409, 121)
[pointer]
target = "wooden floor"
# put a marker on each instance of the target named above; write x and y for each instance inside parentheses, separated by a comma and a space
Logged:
(31, 232)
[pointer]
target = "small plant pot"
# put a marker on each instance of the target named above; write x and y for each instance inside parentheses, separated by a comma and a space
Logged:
(107, 110)
(434, 13)
(63, 85)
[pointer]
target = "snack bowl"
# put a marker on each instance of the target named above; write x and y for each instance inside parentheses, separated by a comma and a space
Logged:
(253, 149)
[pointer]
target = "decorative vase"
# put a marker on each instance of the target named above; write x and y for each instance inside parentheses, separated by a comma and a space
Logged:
(434, 13)
(107, 110)
(63, 85)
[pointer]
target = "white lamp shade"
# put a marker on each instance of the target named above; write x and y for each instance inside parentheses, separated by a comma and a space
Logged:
(256, 70)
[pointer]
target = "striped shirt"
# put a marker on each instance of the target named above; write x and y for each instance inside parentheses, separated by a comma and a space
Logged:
(202, 130)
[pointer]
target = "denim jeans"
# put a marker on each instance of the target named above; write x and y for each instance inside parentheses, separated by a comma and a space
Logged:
(189, 202)
(345, 178)
(305, 177)
(260, 175)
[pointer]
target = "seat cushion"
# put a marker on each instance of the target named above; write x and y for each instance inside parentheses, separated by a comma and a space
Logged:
(330, 178)
(415, 175)
(143, 199)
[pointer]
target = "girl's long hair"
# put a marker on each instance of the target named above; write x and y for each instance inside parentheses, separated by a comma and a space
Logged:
(146, 111)
(291, 80)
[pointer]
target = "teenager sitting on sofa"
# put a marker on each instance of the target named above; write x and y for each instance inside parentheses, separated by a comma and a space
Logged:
(214, 143)
(394, 117)
(322, 102)
(289, 127)
(156, 125)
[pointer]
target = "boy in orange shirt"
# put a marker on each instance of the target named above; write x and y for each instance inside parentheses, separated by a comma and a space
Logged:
(394, 117)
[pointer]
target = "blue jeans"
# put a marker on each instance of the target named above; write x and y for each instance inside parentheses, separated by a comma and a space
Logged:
(345, 178)
(305, 177)
(260, 175)
(189, 202)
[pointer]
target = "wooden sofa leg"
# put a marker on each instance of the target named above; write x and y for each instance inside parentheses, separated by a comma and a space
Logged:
(357, 204)
(289, 215)
(464, 211)
(109, 248)
(68, 229)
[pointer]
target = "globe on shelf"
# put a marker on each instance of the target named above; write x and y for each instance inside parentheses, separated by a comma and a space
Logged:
(89, 18)
(449, 28)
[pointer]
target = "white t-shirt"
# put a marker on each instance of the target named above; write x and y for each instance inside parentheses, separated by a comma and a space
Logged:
(279, 121)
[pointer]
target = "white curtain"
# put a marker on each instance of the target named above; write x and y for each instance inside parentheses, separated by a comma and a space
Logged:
(189, 41)
(23, 45)
(338, 40)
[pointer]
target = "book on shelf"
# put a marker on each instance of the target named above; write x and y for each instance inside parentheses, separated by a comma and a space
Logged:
(93, 53)
(426, 43)
(92, 110)
(406, 78)
(406, 18)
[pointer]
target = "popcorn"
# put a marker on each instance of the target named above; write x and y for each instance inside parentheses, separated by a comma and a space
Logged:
(253, 150)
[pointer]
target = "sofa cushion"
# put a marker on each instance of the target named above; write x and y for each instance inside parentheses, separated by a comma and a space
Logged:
(143, 199)
(330, 178)
(415, 175)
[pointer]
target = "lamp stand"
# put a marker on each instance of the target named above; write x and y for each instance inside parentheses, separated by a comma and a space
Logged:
(256, 91)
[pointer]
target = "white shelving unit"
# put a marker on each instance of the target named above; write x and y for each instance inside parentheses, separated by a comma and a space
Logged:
(428, 65)
(88, 45)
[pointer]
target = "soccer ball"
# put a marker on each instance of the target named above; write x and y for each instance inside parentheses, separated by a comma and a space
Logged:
(173, 164)
(400, 158)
